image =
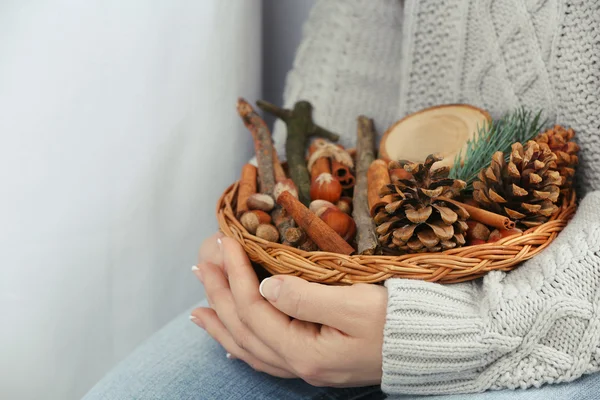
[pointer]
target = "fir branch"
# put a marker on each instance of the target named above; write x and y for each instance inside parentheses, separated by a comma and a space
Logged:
(518, 126)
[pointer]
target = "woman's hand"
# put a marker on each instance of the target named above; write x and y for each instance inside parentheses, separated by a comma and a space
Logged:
(326, 335)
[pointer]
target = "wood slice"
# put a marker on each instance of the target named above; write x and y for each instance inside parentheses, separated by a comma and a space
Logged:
(441, 129)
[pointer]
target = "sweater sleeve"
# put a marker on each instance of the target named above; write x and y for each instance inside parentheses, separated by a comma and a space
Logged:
(537, 324)
(346, 65)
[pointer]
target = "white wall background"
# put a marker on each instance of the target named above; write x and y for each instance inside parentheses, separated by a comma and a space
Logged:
(118, 132)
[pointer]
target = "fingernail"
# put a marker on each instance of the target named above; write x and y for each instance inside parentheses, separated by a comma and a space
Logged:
(197, 272)
(196, 321)
(220, 243)
(229, 356)
(269, 288)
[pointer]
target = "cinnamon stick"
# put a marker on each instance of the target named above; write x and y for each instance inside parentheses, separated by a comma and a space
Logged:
(485, 217)
(246, 188)
(348, 183)
(324, 237)
(263, 145)
(339, 170)
(366, 238)
(377, 177)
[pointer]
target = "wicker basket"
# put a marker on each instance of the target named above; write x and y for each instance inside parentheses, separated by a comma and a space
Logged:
(451, 266)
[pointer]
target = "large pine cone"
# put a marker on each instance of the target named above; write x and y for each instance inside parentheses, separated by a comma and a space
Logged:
(560, 142)
(418, 219)
(525, 189)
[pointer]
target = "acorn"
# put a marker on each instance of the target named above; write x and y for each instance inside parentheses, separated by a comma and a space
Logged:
(326, 187)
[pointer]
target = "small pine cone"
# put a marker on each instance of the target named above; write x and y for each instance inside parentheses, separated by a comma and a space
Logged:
(560, 141)
(418, 219)
(525, 189)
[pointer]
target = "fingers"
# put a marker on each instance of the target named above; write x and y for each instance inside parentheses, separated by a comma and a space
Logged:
(207, 319)
(210, 251)
(271, 326)
(221, 300)
(340, 307)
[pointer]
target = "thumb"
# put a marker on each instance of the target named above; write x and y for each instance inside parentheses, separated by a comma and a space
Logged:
(312, 302)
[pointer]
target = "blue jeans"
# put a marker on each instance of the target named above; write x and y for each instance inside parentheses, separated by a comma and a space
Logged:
(182, 362)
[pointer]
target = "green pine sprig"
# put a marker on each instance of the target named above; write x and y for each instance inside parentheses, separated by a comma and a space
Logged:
(517, 126)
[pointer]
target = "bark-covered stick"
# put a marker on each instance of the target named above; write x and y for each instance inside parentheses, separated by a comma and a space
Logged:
(246, 189)
(263, 145)
(366, 238)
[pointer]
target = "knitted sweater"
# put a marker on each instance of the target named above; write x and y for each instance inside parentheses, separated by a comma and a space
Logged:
(540, 323)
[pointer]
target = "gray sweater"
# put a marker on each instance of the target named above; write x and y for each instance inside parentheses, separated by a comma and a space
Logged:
(540, 323)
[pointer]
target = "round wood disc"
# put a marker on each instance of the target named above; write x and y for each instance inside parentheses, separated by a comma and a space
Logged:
(441, 129)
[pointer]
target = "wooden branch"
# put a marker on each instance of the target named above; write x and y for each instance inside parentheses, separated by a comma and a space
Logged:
(272, 109)
(324, 236)
(366, 238)
(300, 126)
(246, 189)
(263, 145)
(324, 133)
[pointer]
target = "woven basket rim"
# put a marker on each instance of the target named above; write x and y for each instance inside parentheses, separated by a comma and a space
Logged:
(451, 266)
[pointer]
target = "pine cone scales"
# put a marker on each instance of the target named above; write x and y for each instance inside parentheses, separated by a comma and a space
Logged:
(559, 140)
(418, 220)
(524, 189)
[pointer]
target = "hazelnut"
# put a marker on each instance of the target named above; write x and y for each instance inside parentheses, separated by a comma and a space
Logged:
(268, 232)
(252, 219)
(326, 187)
(285, 186)
(340, 222)
(318, 206)
(260, 201)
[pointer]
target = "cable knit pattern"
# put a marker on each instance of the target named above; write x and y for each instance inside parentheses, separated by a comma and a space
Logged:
(541, 322)
(538, 324)
(576, 76)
